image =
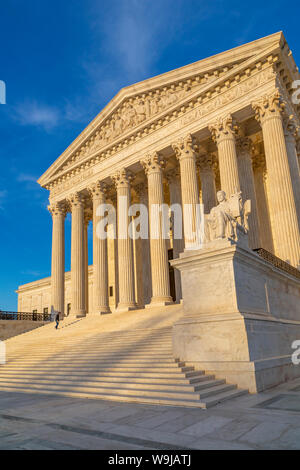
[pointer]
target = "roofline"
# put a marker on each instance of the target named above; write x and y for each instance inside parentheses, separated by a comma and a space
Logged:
(134, 88)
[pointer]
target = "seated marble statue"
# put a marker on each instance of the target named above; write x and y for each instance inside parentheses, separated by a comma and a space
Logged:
(228, 218)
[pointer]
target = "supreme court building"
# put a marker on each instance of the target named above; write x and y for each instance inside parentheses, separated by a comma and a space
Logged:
(229, 122)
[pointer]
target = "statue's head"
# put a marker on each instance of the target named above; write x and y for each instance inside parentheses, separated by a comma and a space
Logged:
(221, 196)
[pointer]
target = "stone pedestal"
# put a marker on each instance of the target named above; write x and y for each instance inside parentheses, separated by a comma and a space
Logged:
(241, 315)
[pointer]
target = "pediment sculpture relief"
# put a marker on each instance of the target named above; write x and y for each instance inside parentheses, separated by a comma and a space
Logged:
(135, 111)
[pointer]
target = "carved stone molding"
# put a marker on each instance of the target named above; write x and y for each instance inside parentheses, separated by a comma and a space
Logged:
(268, 106)
(224, 128)
(153, 163)
(122, 178)
(173, 174)
(76, 200)
(289, 126)
(206, 102)
(97, 189)
(259, 160)
(207, 162)
(141, 189)
(58, 208)
(185, 147)
(244, 146)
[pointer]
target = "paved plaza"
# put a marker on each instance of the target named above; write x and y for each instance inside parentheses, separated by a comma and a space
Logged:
(269, 420)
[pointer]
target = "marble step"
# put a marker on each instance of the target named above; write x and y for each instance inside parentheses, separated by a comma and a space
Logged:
(177, 374)
(111, 385)
(171, 401)
(120, 398)
(136, 390)
(100, 361)
(169, 381)
(120, 368)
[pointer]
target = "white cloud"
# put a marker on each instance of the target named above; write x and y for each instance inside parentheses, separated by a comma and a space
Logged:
(24, 177)
(37, 114)
(3, 195)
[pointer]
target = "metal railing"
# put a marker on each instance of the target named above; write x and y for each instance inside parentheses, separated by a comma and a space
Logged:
(5, 315)
(277, 262)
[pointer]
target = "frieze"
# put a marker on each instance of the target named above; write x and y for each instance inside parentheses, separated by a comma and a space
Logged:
(194, 111)
(71, 182)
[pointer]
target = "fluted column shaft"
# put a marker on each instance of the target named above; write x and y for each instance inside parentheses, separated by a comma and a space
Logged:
(246, 176)
(173, 178)
(262, 206)
(285, 229)
(206, 165)
(58, 257)
(223, 132)
(142, 192)
(100, 260)
(125, 248)
(77, 256)
(86, 264)
(290, 132)
(158, 247)
(184, 149)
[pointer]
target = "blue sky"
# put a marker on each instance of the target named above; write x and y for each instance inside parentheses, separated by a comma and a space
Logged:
(62, 61)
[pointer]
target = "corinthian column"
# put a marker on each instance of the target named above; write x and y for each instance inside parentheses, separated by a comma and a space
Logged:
(100, 261)
(58, 212)
(206, 164)
(285, 229)
(291, 133)
(173, 178)
(125, 249)
(259, 170)
(184, 149)
(223, 133)
(244, 152)
(77, 256)
(158, 248)
(86, 262)
(142, 192)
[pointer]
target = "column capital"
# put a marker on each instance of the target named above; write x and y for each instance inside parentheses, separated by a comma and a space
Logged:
(290, 127)
(76, 199)
(122, 178)
(223, 128)
(244, 146)
(58, 208)
(97, 189)
(259, 160)
(268, 106)
(207, 162)
(153, 163)
(185, 147)
(173, 174)
(141, 189)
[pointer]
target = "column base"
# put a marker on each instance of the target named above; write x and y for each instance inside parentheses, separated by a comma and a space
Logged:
(78, 314)
(101, 311)
(160, 302)
(126, 307)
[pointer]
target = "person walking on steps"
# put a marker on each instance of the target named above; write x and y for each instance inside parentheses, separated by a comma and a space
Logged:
(57, 320)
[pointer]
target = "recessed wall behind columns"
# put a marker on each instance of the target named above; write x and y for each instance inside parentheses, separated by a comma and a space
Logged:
(241, 317)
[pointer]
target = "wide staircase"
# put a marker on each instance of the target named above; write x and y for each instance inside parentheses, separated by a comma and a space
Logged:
(98, 359)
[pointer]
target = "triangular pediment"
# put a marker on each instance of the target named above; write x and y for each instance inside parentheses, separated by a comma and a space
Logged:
(141, 103)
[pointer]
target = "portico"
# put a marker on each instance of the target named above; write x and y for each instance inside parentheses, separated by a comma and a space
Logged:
(226, 122)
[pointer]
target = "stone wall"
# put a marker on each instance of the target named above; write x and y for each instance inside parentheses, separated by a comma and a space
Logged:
(10, 328)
